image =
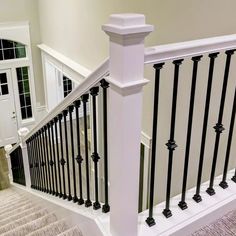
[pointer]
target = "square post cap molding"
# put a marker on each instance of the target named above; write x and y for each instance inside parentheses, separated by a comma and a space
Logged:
(127, 33)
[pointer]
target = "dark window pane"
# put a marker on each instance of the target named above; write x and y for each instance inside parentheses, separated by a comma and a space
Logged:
(22, 100)
(23, 113)
(1, 55)
(3, 78)
(29, 112)
(16, 44)
(25, 70)
(20, 52)
(18, 72)
(20, 86)
(8, 54)
(27, 100)
(7, 44)
(4, 89)
(26, 86)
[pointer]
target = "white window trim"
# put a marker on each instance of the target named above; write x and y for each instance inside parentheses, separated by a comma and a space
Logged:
(19, 32)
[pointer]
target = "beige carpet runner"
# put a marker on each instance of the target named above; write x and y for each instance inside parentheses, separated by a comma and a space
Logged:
(19, 216)
(225, 226)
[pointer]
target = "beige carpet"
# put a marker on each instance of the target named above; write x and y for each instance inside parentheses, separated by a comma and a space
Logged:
(225, 226)
(20, 216)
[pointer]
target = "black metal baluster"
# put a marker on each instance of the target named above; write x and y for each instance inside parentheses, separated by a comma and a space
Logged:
(105, 86)
(35, 164)
(95, 157)
(39, 162)
(62, 161)
(43, 139)
(182, 204)
(171, 145)
(58, 159)
(219, 126)
(223, 183)
(29, 159)
(84, 99)
(65, 112)
(43, 161)
(31, 162)
(54, 158)
(71, 109)
(51, 163)
(46, 143)
(234, 177)
(79, 158)
(197, 197)
(150, 220)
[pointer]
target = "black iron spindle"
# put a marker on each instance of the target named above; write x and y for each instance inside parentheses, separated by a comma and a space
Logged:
(71, 109)
(58, 159)
(39, 162)
(95, 157)
(84, 99)
(62, 161)
(43, 162)
(219, 126)
(54, 158)
(105, 86)
(79, 158)
(182, 204)
(29, 159)
(46, 143)
(69, 197)
(197, 197)
(223, 183)
(150, 220)
(35, 163)
(51, 162)
(171, 145)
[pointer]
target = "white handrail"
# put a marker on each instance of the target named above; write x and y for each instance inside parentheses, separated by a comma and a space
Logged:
(88, 83)
(163, 53)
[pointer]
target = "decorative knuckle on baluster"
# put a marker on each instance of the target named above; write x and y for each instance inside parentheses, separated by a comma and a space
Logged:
(94, 91)
(104, 84)
(79, 159)
(219, 128)
(62, 161)
(171, 145)
(95, 157)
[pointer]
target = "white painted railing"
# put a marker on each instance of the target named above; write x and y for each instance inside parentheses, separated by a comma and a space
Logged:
(174, 51)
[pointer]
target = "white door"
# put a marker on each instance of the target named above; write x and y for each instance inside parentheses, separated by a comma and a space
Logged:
(8, 121)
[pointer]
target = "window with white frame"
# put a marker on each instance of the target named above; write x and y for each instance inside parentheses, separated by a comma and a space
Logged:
(67, 85)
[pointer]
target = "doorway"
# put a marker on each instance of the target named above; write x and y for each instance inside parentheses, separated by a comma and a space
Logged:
(8, 116)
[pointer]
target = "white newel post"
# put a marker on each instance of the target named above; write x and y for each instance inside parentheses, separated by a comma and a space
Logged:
(22, 133)
(8, 149)
(127, 33)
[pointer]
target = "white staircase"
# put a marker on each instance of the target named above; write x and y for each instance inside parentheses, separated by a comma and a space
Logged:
(20, 216)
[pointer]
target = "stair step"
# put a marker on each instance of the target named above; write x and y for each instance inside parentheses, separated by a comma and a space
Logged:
(13, 206)
(53, 229)
(17, 210)
(75, 231)
(24, 220)
(32, 226)
(20, 215)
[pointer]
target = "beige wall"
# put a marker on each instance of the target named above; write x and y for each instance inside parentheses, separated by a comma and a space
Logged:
(27, 10)
(73, 27)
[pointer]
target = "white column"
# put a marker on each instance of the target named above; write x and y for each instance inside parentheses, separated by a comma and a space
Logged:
(127, 33)
(22, 133)
(7, 149)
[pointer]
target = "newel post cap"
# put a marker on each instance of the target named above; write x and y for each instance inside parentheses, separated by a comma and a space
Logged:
(127, 24)
(23, 132)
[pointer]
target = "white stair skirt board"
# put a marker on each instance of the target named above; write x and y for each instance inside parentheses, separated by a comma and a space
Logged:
(183, 223)
(90, 222)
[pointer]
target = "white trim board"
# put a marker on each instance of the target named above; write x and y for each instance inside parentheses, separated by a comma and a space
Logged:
(70, 67)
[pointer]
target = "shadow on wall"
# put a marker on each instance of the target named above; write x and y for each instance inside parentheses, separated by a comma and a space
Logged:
(4, 179)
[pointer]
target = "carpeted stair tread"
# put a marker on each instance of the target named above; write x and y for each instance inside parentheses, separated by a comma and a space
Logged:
(17, 210)
(75, 231)
(225, 226)
(20, 215)
(53, 229)
(13, 206)
(32, 226)
(23, 220)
